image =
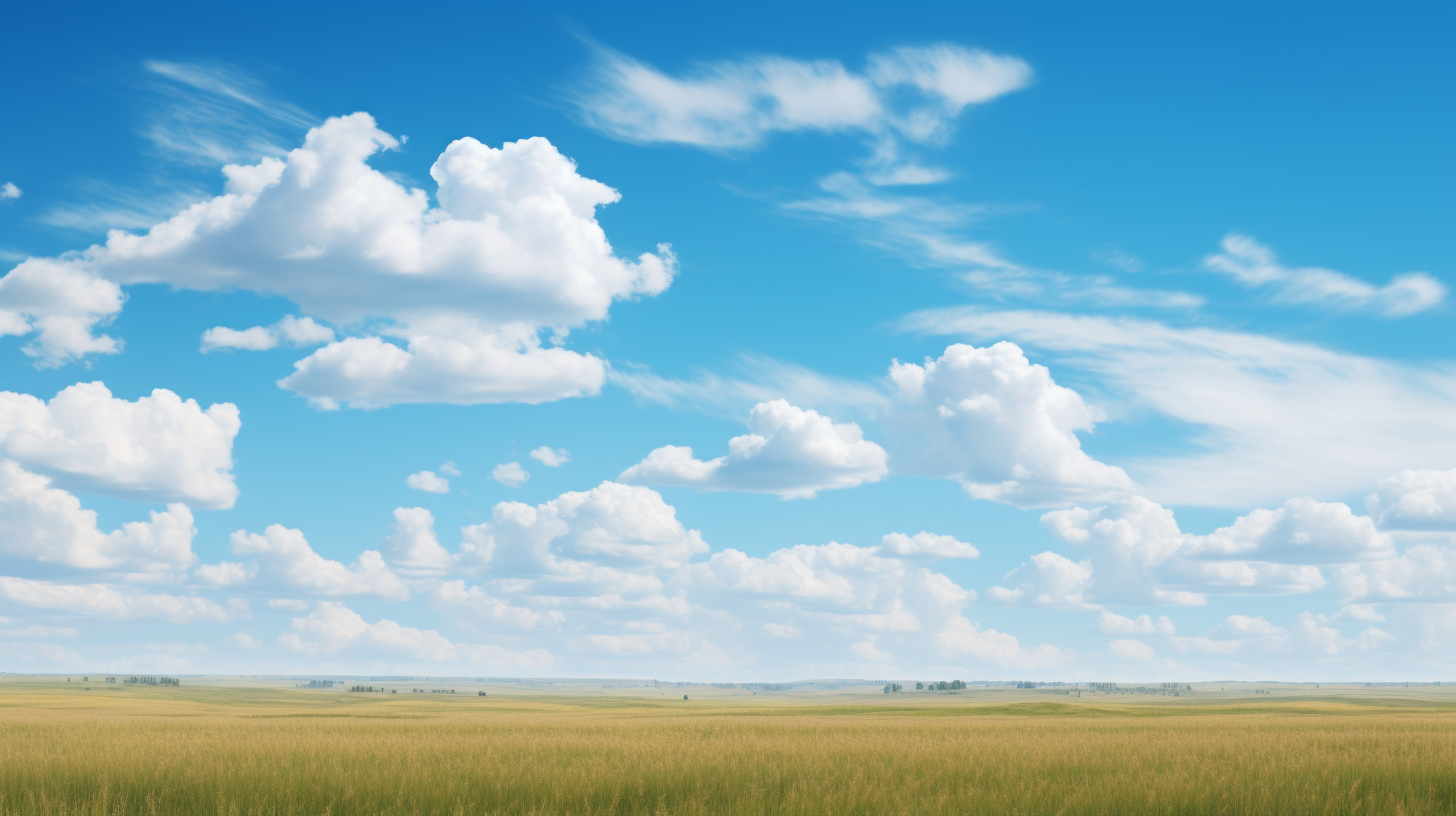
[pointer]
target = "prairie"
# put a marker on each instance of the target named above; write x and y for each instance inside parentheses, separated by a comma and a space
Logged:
(66, 749)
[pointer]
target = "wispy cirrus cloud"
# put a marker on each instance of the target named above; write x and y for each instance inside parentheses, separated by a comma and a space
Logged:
(1255, 266)
(1273, 418)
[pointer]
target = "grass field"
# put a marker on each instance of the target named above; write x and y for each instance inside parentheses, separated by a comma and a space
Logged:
(238, 750)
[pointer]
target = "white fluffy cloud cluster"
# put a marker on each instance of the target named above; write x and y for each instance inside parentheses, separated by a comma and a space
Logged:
(1137, 554)
(101, 600)
(860, 599)
(333, 628)
(39, 522)
(283, 560)
(912, 93)
(789, 451)
(513, 249)
(999, 425)
(158, 448)
(1415, 500)
(612, 574)
(295, 331)
(1254, 264)
(428, 481)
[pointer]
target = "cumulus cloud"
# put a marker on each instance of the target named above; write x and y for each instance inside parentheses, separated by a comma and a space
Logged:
(105, 601)
(284, 560)
(9, 192)
(912, 93)
(412, 548)
(294, 331)
(333, 628)
(1415, 500)
(1132, 649)
(999, 425)
(427, 481)
(157, 448)
(1272, 418)
(1111, 623)
(510, 474)
(513, 249)
(551, 458)
(40, 522)
(788, 451)
(847, 596)
(1137, 554)
(1424, 572)
(927, 545)
(1255, 265)
(611, 538)
(963, 637)
(62, 305)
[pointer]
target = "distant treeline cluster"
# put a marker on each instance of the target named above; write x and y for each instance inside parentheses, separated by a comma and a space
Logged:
(381, 689)
(939, 685)
(151, 681)
(322, 683)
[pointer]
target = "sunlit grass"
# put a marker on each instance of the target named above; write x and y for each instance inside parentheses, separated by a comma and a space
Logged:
(216, 750)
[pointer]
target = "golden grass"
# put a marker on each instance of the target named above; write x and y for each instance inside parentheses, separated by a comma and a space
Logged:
(200, 750)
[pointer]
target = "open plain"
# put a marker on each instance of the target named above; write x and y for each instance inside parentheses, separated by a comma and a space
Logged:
(239, 746)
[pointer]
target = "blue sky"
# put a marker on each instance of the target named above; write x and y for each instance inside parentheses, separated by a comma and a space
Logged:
(1050, 341)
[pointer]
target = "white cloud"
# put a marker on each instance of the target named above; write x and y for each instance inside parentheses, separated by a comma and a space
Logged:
(513, 249)
(427, 481)
(1132, 649)
(292, 330)
(412, 548)
(9, 192)
(910, 92)
(158, 447)
(242, 640)
(1137, 554)
(104, 601)
(1270, 417)
(788, 451)
(333, 628)
(1424, 572)
(1303, 531)
(551, 458)
(210, 113)
(450, 468)
(510, 474)
(1111, 623)
(62, 305)
(759, 379)
(42, 631)
(788, 631)
(964, 637)
(869, 651)
(1000, 426)
(1254, 264)
(40, 522)
(928, 231)
(1415, 500)
(285, 560)
(928, 545)
(481, 610)
(611, 538)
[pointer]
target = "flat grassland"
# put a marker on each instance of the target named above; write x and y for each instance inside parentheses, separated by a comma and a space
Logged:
(237, 750)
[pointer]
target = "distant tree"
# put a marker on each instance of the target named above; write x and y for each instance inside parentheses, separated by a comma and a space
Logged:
(919, 685)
